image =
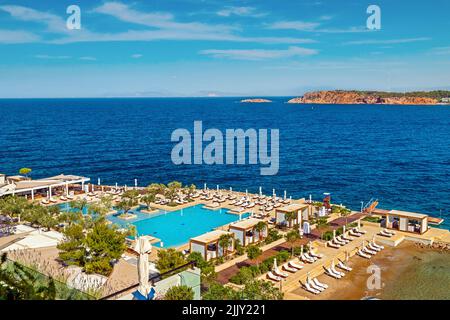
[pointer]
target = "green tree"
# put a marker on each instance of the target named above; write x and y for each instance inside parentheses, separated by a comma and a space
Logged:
(219, 292)
(169, 259)
(208, 273)
(292, 237)
(260, 290)
(148, 199)
(225, 241)
(260, 227)
(179, 293)
(25, 171)
(253, 253)
(19, 283)
(289, 217)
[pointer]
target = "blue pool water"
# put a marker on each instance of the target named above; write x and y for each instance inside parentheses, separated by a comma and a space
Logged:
(177, 227)
(398, 154)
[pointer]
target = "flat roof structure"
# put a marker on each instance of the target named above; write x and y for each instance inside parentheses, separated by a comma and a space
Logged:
(210, 237)
(407, 214)
(245, 224)
(292, 207)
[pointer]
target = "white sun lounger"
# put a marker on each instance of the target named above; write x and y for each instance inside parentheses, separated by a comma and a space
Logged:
(329, 272)
(320, 284)
(306, 259)
(273, 277)
(295, 265)
(377, 245)
(337, 272)
(332, 245)
(344, 266)
(308, 288)
(360, 231)
(354, 233)
(316, 255)
(364, 255)
(307, 255)
(341, 239)
(368, 251)
(373, 248)
(316, 287)
(289, 269)
(347, 238)
(280, 273)
(338, 242)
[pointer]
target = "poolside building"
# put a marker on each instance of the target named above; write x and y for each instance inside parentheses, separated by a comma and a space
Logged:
(406, 221)
(20, 185)
(208, 245)
(300, 212)
(246, 231)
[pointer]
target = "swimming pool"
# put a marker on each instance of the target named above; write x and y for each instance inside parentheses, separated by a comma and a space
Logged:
(177, 227)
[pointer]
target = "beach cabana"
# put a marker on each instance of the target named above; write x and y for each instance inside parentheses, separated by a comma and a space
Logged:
(208, 245)
(406, 221)
(245, 231)
(299, 210)
(17, 186)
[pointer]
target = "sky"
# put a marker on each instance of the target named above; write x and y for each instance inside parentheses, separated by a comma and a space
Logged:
(179, 48)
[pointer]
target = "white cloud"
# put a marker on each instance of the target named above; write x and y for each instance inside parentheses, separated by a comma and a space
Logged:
(259, 54)
(389, 41)
(313, 27)
(294, 25)
(441, 50)
(136, 56)
(48, 57)
(17, 36)
(88, 58)
(240, 11)
(53, 22)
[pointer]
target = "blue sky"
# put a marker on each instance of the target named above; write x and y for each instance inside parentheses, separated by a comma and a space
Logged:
(220, 48)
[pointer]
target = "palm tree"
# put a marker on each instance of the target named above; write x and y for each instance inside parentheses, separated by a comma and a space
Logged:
(292, 237)
(260, 227)
(289, 217)
(225, 241)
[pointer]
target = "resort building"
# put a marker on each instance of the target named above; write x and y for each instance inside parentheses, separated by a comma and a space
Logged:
(299, 211)
(208, 245)
(20, 185)
(246, 231)
(406, 221)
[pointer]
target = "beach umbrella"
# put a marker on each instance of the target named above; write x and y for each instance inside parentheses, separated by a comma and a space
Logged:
(275, 267)
(285, 195)
(310, 198)
(308, 277)
(135, 183)
(260, 191)
(273, 192)
(116, 185)
(334, 233)
(240, 216)
(231, 189)
(143, 248)
(301, 250)
(300, 231)
(343, 229)
(204, 186)
(217, 187)
(98, 181)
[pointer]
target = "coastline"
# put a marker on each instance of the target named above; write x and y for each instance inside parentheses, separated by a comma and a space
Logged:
(407, 272)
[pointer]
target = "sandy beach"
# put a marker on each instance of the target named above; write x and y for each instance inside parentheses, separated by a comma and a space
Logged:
(407, 272)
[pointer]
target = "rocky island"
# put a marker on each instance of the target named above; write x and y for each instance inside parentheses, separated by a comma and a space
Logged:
(259, 100)
(373, 97)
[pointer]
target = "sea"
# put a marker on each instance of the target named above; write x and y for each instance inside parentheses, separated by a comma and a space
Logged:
(399, 155)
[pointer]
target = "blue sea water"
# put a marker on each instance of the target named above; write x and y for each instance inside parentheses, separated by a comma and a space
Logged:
(398, 154)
